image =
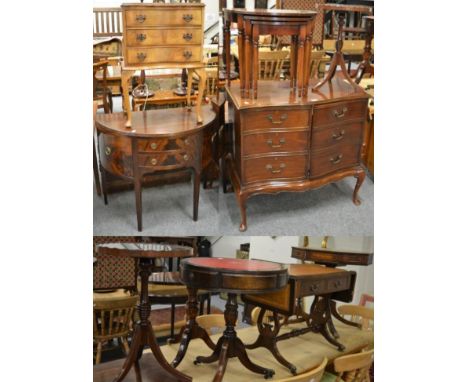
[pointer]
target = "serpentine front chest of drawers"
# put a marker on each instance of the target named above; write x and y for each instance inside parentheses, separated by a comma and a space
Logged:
(163, 36)
(287, 143)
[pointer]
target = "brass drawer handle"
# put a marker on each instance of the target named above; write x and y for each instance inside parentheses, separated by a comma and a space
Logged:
(186, 157)
(153, 146)
(337, 283)
(108, 150)
(313, 287)
(339, 136)
(141, 37)
(269, 167)
(283, 118)
(187, 54)
(187, 18)
(282, 141)
(337, 159)
(187, 36)
(340, 114)
(187, 142)
(154, 161)
(141, 56)
(141, 18)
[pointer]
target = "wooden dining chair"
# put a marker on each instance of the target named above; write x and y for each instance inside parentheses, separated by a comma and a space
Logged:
(271, 64)
(351, 368)
(313, 375)
(359, 314)
(111, 319)
(101, 92)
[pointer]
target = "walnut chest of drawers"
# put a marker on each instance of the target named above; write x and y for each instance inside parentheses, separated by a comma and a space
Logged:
(286, 143)
(160, 36)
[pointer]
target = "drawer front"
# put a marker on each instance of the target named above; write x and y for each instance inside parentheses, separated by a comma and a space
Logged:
(310, 287)
(335, 158)
(348, 133)
(266, 120)
(163, 17)
(180, 36)
(187, 144)
(115, 154)
(262, 143)
(156, 55)
(338, 284)
(290, 167)
(339, 112)
(166, 160)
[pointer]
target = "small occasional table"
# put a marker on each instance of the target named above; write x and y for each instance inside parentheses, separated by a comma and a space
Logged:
(233, 276)
(159, 141)
(142, 330)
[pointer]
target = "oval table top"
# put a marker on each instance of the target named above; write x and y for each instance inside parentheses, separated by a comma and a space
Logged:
(233, 275)
(155, 123)
(146, 250)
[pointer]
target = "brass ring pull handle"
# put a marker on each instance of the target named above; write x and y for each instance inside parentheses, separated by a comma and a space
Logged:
(187, 36)
(313, 287)
(270, 168)
(108, 150)
(340, 114)
(337, 159)
(339, 136)
(141, 56)
(187, 54)
(141, 18)
(283, 118)
(186, 157)
(141, 37)
(153, 145)
(187, 18)
(154, 161)
(282, 141)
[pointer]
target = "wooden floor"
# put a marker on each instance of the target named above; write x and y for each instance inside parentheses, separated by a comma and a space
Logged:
(304, 351)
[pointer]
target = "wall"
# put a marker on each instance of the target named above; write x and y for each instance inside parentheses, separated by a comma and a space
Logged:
(226, 246)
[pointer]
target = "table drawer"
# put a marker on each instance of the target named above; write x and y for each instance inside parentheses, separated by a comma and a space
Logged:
(262, 143)
(348, 133)
(166, 144)
(335, 158)
(338, 284)
(115, 154)
(278, 119)
(179, 36)
(313, 287)
(163, 17)
(291, 167)
(339, 112)
(166, 160)
(160, 54)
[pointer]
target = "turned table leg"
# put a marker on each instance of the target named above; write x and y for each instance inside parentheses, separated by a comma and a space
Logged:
(201, 91)
(230, 346)
(191, 330)
(143, 333)
(126, 77)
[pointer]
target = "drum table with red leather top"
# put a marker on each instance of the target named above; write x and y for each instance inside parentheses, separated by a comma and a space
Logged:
(142, 330)
(233, 276)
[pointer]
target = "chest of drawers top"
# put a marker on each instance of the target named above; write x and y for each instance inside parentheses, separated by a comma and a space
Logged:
(163, 35)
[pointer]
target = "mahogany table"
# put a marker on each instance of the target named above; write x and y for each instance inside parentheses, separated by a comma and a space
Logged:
(233, 276)
(253, 23)
(304, 280)
(142, 331)
(159, 141)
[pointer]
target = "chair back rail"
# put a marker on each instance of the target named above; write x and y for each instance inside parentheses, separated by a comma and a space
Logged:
(107, 22)
(271, 64)
(354, 367)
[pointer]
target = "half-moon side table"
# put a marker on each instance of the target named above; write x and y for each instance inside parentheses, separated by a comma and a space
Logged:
(143, 331)
(158, 141)
(233, 276)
